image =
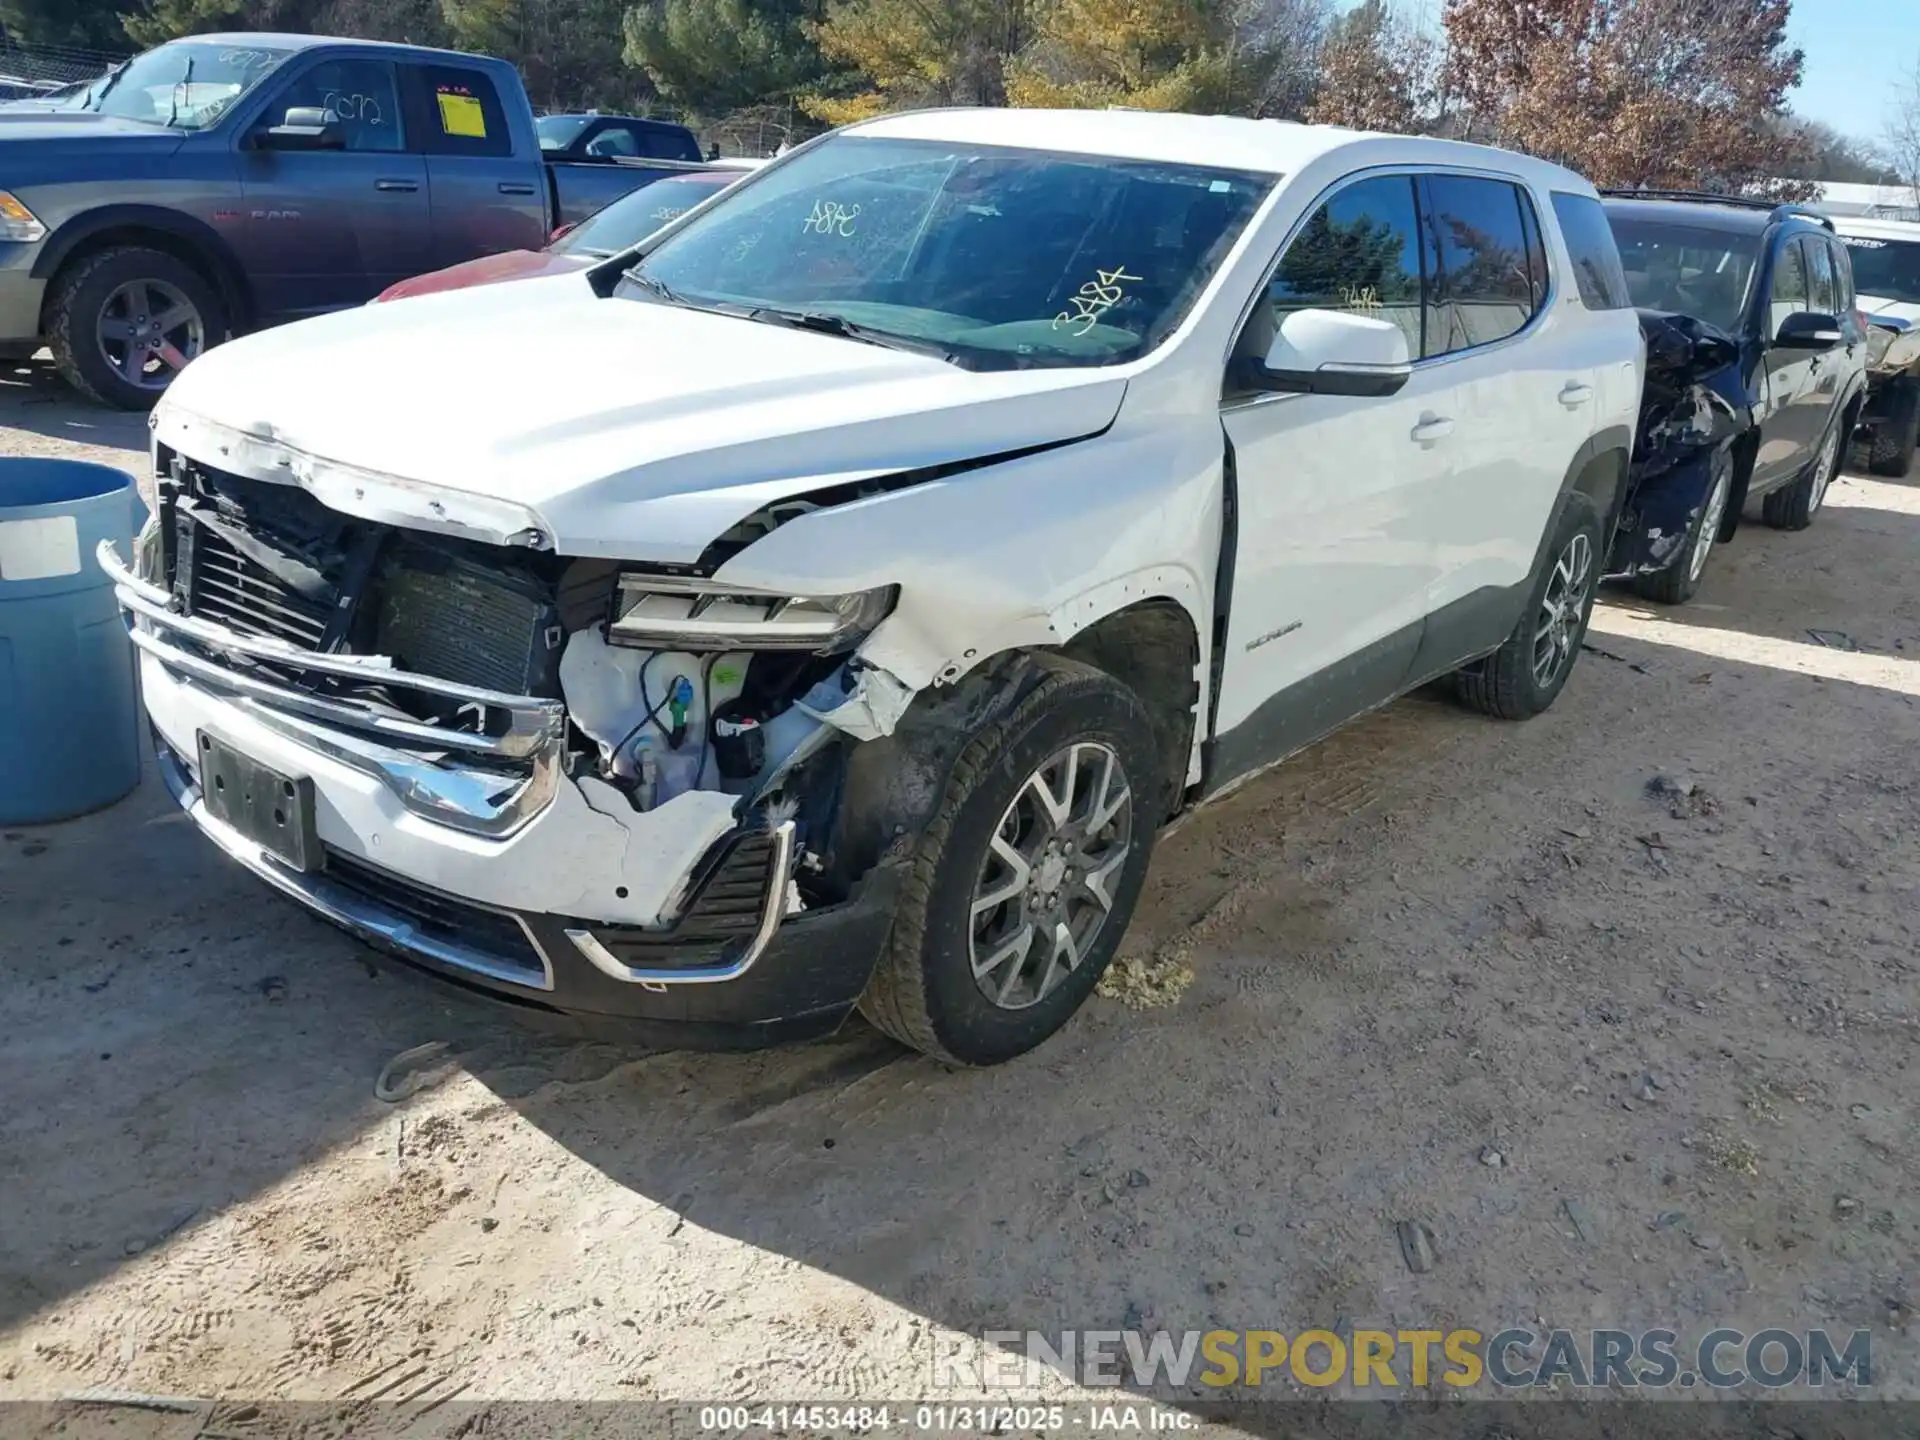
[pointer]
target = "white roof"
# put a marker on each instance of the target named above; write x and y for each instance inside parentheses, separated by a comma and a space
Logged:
(1274, 147)
(1875, 228)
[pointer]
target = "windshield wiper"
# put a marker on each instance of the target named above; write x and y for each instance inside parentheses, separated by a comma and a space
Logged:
(826, 324)
(184, 82)
(658, 287)
(106, 83)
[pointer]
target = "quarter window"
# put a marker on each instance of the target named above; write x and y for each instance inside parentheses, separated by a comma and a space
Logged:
(1486, 290)
(1360, 251)
(1593, 246)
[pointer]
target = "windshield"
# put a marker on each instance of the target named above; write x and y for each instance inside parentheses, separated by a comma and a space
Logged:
(187, 84)
(1885, 269)
(1690, 271)
(556, 132)
(631, 218)
(1002, 258)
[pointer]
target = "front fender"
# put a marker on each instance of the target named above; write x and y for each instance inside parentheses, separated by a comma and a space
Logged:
(1022, 554)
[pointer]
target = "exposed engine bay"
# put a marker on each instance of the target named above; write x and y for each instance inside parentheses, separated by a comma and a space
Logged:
(1694, 407)
(669, 684)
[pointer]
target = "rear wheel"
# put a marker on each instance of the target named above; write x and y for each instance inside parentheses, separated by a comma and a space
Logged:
(1676, 584)
(123, 322)
(1898, 433)
(1794, 507)
(1526, 674)
(1027, 877)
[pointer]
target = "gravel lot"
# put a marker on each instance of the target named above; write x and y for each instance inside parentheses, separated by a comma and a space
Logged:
(1684, 1024)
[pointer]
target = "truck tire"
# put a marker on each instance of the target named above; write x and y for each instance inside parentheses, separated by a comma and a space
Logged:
(1896, 436)
(122, 321)
(974, 972)
(1526, 674)
(1794, 506)
(1676, 584)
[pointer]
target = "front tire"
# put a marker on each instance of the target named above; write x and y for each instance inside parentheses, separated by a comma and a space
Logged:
(1897, 436)
(1794, 507)
(1026, 878)
(1676, 584)
(1527, 673)
(123, 322)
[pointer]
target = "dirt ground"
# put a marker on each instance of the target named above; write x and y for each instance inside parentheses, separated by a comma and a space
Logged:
(1633, 1058)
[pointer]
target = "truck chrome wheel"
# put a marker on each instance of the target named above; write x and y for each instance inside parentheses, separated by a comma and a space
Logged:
(1562, 609)
(1710, 523)
(1046, 887)
(148, 331)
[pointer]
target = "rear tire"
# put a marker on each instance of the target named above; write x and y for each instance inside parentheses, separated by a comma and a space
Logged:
(101, 311)
(1897, 436)
(1794, 507)
(967, 899)
(1527, 673)
(1677, 584)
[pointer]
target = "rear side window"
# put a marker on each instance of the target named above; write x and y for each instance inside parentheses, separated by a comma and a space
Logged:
(1596, 255)
(1842, 276)
(460, 112)
(1359, 251)
(664, 143)
(1826, 293)
(1486, 289)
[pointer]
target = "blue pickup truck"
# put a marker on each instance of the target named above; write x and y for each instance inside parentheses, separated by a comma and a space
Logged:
(225, 182)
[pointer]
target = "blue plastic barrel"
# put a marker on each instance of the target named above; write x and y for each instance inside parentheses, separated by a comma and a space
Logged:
(69, 714)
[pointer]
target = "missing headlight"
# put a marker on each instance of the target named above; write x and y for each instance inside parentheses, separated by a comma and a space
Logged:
(669, 613)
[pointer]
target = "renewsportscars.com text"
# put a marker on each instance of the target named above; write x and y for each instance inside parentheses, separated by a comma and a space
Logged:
(1509, 1359)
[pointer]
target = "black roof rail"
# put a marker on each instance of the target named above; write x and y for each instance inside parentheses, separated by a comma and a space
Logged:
(1793, 209)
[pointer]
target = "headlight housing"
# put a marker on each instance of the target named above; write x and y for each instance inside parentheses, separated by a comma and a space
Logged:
(17, 222)
(662, 612)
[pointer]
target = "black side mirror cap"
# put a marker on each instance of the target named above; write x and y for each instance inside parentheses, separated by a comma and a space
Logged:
(1810, 330)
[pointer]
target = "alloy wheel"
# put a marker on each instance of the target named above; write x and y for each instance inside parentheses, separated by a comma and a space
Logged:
(1824, 467)
(1562, 609)
(1710, 523)
(1046, 887)
(147, 331)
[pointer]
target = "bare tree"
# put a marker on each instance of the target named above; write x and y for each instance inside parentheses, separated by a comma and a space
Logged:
(1902, 139)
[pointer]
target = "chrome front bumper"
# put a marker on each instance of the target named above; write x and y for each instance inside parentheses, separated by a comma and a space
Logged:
(487, 784)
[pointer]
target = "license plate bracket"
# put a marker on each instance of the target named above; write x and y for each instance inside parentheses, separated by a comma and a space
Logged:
(273, 810)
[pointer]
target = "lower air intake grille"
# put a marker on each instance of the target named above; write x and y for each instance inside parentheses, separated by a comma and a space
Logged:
(442, 917)
(720, 918)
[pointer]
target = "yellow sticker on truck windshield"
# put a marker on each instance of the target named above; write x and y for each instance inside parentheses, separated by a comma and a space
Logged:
(462, 115)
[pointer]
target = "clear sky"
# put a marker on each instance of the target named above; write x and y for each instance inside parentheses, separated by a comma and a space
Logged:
(1857, 51)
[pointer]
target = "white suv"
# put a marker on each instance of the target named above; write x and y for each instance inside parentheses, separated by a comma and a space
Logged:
(1886, 276)
(828, 602)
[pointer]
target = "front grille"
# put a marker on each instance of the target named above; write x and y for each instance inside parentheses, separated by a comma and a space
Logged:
(226, 587)
(441, 917)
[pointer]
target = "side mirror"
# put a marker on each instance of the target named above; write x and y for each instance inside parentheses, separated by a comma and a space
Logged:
(1334, 352)
(304, 127)
(1809, 330)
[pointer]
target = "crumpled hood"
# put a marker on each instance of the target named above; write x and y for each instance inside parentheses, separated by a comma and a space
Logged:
(628, 429)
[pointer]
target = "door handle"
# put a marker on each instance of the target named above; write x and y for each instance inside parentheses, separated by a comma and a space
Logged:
(1574, 394)
(396, 184)
(514, 187)
(1431, 428)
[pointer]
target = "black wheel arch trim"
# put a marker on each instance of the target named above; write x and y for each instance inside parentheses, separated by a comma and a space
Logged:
(206, 243)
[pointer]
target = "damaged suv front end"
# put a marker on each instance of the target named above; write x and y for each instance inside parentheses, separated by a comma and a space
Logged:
(624, 688)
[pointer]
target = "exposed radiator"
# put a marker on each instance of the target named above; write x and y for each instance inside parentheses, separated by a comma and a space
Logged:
(445, 615)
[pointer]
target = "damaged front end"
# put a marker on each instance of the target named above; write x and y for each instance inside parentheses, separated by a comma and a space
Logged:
(589, 787)
(1694, 410)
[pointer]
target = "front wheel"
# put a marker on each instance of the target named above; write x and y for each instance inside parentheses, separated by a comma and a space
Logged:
(1794, 507)
(1676, 584)
(123, 322)
(1898, 434)
(1026, 878)
(1527, 673)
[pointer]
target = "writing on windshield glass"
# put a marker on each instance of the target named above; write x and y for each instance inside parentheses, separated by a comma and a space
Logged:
(830, 217)
(1094, 299)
